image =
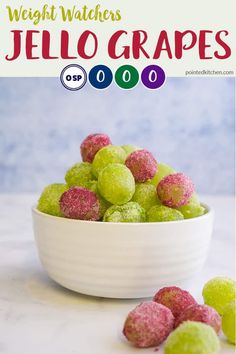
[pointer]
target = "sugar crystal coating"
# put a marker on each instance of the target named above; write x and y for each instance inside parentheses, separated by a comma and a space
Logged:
(218, 292)
(148, 324)
(175, 190)
(49, 200)
(107, 155)
(200, 313)
(228, 322)
(142, 164)
(104, 204)
(80, 203)
(192, 338)
(162, 171)
(129, 212)
(160, 213)
(116, 183)
(79, 174)
(92, 144)
(176, 299)
(145, 194)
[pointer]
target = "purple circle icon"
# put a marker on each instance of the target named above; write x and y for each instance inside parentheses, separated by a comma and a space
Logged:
(153, 76)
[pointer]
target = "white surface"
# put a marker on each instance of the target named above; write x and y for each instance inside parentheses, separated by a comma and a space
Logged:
(37, 316)
(122, 260)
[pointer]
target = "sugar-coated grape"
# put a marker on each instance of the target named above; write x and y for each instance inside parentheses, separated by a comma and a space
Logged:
(49, 200)
(176, 299)
(228, 322)
(92, 144)
(200, 313)
(142, 164)
(79, 174)
(117, 175)
(80, 203)
(116, 183)
(107, 155)
(218, 292)
(193, 208)
(146, 195)
(162, 213)
(129, 212)
(192, 338)
(148, 324)
(175, 190)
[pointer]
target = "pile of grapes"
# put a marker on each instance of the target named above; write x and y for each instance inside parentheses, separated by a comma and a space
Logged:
(120, 184)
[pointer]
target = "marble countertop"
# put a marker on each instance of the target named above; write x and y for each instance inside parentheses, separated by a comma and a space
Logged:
(38, 316)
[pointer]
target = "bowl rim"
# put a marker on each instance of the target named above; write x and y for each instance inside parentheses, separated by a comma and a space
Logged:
(209, 212)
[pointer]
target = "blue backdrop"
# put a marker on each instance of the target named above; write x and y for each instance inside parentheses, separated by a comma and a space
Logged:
(188, 123)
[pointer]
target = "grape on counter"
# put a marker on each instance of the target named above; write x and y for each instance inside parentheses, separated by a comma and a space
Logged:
(175, 298)
(192, 338)
(196, 326)
(228, 322)
(148, 325)
(218, 292)
(200, 313)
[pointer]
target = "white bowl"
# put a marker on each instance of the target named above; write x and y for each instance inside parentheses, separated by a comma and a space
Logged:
(121, 260)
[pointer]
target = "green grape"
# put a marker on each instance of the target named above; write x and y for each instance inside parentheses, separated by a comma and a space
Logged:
(192, 338)
(105, 156)
(116, 183)
(162, 213)
(228, 322)
(218, 292)
(79, 174)
(146, 195)
(49, 200)
(129, 212)
(193, 208)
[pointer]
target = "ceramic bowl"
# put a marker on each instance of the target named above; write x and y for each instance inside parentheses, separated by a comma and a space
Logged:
(121, 260)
